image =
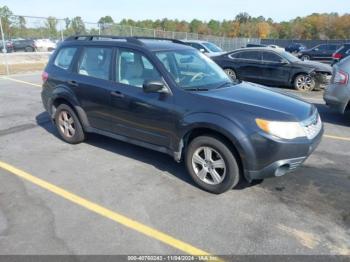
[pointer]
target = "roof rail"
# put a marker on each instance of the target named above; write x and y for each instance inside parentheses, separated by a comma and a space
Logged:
(176, 41)
(131, 39)
(103, 37)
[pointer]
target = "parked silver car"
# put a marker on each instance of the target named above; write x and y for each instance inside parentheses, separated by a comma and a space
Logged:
(337, 94)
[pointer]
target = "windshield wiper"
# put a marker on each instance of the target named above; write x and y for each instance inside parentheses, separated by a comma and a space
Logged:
(196, 89)
(225, 84)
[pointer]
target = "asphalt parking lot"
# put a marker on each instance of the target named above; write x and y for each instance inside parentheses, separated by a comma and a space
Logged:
(126, 191)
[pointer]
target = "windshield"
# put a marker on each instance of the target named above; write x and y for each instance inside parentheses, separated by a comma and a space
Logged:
(191, 69)
(290, 57)
(212, 47)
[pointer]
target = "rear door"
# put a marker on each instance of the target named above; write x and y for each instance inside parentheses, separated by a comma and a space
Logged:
(91, 81)
(249, 65)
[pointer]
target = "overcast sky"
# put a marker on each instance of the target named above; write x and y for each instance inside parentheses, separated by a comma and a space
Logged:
(92, 10)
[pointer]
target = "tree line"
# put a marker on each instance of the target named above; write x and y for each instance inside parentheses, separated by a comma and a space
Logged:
(315, 26)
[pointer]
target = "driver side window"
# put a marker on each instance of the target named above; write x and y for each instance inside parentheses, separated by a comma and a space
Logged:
(133, 69)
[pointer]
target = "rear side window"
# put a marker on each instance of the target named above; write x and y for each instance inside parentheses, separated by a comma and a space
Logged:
(95, 62)
(251, 55)
(64, 57)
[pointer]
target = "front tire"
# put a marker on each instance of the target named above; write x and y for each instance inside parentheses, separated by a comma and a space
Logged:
(212, 165)
(304, 83)
(231, 73)
(68, 125)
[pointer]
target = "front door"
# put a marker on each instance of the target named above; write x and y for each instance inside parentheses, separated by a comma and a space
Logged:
(147, 117)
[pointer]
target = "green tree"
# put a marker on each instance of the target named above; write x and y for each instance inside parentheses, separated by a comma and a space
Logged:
(51, 25)
(5, 14)
(77, 25)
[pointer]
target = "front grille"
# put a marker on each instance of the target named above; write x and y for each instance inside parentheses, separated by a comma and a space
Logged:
(312, 126)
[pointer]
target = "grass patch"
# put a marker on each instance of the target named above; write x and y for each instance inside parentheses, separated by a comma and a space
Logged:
(22, 68)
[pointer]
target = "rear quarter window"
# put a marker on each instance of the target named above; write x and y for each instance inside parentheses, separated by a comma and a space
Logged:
(65, 57)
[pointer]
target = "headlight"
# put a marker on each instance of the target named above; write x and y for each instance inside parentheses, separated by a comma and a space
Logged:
(286, 130)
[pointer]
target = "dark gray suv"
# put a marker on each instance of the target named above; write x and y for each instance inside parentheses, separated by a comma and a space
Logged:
(167, 96)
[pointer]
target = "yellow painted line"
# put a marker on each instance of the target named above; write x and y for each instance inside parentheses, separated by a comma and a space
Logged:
(20, 81)
(338, 137)
(107, 213)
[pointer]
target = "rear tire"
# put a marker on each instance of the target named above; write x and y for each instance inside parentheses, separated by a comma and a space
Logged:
(29, 49)
(212, 165)
(68, 125)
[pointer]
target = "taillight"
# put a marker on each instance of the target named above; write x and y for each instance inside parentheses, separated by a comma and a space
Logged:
(337, 56)
(44, 76)
(341, 78)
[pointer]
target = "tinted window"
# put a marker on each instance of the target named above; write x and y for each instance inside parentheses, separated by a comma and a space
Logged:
(332, 47)
(322, 47)
(134, 69)
(197, 46)
(64, 57)
(212, 47)
(251, 55)
(271, 57)
(95, 62)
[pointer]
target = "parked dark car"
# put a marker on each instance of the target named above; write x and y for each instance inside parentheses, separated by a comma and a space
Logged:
(341, 53)
(295, 48)
(337, 94)
(320, 52)
(275, 68)
(8, 46)
(169, 97)
(26, 45)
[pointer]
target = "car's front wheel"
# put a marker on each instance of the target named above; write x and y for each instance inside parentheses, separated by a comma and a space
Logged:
(211, 164)
(231, 73)
(68, 125)
(304, 82)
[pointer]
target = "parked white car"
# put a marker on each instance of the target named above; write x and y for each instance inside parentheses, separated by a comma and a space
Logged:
(44, 45)
(205, 47)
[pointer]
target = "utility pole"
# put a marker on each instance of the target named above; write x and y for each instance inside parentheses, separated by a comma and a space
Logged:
(4, 47)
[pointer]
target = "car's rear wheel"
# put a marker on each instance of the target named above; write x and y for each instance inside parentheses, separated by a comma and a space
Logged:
(305, 58)
(212, 165)
(68, 125)
(304, 82)
(231, 73)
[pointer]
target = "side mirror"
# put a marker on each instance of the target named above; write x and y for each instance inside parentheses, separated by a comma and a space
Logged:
(316, 49)
(202, 50)
(154, 86)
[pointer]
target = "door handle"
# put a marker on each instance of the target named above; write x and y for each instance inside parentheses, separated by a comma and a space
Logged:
(73, 83)
(117, 94)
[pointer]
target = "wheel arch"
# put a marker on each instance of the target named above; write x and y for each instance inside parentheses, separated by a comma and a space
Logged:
(64, 97)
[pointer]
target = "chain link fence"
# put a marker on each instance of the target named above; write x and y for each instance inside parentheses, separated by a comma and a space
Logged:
(26, 41)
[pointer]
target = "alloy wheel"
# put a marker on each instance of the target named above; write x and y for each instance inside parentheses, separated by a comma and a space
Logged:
(66, 124)
(231, 73)
(209, 165)
(304, 83)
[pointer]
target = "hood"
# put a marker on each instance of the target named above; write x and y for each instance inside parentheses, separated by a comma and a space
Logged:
(316, 65)
(262, 102)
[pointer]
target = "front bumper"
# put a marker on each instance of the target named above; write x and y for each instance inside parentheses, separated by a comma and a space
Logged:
(277, 157)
